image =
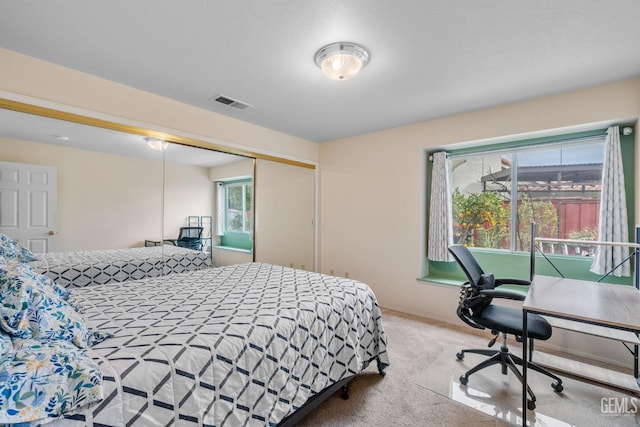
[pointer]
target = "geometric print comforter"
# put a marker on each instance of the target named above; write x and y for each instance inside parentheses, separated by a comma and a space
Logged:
(240, 345)
(78, 269)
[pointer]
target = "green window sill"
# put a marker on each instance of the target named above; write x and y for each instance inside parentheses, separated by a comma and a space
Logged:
(232, 248)
(441, 280)
(506, 264)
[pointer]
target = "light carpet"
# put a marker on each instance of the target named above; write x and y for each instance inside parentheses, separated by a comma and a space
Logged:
(396, 399)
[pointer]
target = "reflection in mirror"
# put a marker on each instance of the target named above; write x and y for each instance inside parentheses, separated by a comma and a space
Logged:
(233, 212)
(108, 189)
(98, 206)
(108, 193)
(208, 202)
(97, 189)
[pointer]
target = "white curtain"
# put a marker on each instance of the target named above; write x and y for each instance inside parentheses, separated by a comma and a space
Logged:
(440, 221)
(220, 208)
(613, 225)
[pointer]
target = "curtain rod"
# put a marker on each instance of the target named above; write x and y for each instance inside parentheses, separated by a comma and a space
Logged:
(541, 145)
(563, 141)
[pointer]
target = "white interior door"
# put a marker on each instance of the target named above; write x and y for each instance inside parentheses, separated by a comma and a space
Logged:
(28, 205)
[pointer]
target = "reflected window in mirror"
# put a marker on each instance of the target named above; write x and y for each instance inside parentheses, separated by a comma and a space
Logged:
(235, 213)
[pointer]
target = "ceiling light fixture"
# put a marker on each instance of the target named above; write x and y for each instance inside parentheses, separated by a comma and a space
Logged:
(155, 143)
(342, 61)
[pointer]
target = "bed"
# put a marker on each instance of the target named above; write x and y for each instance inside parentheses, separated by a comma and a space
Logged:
(79, 269)
(249, 344)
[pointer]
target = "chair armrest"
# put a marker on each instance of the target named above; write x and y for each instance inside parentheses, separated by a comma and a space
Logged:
(504, 294)
(465, 315)
(511, 281)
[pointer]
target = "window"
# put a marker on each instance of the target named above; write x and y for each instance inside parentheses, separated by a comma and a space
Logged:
(557, 186)
(238, 210)
(555, 182)
(235, 213)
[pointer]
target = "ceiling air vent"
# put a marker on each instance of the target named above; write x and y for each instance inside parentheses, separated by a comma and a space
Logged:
(223, 99)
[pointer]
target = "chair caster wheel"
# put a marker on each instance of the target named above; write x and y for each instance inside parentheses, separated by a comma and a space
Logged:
(460, 355)
(557, 387)
(531, 404)
(464, 380)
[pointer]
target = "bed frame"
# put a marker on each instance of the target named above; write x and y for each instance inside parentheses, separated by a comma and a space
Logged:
(319, 398)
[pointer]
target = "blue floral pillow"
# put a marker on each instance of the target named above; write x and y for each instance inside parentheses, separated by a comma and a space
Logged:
(11, 249)
(30, 307)
(46, 379)
(6, 357)
(62, 292)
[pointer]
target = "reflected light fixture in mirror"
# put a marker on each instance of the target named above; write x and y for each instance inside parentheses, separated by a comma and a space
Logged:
(156, 144)
(342, 61)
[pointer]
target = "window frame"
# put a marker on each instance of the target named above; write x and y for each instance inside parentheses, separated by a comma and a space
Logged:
(238, 239)
(514, 192)
(517, 263)
(243, 184)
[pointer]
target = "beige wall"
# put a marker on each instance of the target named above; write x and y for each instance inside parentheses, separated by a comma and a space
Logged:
(188, 191)
(372, 189)
(240, 169)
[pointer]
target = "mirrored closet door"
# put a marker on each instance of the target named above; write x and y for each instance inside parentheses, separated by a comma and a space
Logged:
(120, 189)
(285, 217)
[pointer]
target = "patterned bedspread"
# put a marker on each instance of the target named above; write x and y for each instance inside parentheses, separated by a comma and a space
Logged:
(230, 346)
(78, 269)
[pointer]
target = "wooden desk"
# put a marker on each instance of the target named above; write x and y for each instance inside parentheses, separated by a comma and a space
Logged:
(601, 304)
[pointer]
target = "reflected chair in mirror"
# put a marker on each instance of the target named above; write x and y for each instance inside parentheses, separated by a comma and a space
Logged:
(189, 237)
(477, 309)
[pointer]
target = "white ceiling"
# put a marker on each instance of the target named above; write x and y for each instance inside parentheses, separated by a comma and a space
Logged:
(428, 58)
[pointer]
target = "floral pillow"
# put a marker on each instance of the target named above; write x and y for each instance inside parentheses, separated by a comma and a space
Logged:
(11, 249)
(62, 292)
(30, 307)
(45, 379)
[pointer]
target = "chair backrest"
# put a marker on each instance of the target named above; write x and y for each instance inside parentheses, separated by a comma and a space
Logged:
(190, 243)
(471, 303)
(190, 232)
(467, 262)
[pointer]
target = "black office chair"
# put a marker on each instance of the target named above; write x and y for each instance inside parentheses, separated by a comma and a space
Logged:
(475, 308)
(189, 237)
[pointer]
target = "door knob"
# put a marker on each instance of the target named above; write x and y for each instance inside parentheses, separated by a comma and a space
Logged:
(52, 233)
